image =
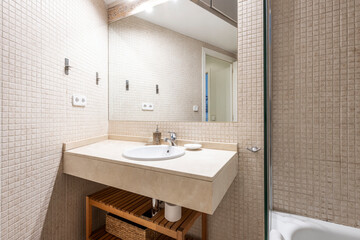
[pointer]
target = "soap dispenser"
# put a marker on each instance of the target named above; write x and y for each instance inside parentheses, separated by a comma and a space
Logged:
(157, 136)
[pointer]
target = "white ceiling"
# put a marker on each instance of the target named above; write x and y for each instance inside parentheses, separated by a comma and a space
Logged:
(187, 18)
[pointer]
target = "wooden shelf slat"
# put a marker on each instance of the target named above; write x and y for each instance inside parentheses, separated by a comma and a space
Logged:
(158, 215)
(135, 204)
(185, 226)
(185, 215)
(103, 194)
(160, 218)
(140, 210)
(113, 198)
(131, 207)
(163, 222)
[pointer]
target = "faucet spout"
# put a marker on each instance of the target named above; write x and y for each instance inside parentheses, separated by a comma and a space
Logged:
(172, 139)
(171, 142)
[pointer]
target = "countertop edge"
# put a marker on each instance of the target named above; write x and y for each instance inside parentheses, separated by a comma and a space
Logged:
(156, 169)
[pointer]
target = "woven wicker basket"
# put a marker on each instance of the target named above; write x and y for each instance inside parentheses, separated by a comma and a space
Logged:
(127, 230)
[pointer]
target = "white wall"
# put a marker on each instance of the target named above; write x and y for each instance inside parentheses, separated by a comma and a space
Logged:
(220, 86)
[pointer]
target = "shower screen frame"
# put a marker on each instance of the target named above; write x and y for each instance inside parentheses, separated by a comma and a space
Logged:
(267, 119)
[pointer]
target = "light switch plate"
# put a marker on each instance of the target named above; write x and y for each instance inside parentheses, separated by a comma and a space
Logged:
(147, 106)
(79, 100)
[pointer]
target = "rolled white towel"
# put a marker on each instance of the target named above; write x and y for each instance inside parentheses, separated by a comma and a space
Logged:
(276, 235)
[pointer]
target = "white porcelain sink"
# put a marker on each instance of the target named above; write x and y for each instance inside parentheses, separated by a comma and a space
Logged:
(154, 153)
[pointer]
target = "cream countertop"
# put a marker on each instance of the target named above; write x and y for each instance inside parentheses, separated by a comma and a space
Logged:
(204, 164)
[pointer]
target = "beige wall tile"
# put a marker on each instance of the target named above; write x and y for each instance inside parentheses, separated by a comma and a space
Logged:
(315, 112)
(155, 61)
(37, 116)
(37, 200)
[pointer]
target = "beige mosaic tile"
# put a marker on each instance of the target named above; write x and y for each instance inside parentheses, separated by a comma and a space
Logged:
(316, 117)
(37, 201)
(37, 116)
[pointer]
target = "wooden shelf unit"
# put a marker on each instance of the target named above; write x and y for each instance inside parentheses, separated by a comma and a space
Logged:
(132, 206)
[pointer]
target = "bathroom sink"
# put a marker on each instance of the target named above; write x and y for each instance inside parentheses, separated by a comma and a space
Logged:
(154, 153)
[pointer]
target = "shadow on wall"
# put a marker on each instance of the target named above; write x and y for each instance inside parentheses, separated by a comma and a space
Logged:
(65, 217)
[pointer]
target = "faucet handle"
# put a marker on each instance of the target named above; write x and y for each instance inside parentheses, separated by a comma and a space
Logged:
(172, 135)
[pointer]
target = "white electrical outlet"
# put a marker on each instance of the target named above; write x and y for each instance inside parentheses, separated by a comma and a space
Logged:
(147, 106)
(79, 100)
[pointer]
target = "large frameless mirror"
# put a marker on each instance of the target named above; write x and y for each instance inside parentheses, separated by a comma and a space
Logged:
(176, 61)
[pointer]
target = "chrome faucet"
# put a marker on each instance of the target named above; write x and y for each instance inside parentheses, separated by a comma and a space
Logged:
(172, 139)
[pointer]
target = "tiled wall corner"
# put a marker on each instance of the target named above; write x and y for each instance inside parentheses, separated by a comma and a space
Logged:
(251, 118)
(37, 116)
(315, 112)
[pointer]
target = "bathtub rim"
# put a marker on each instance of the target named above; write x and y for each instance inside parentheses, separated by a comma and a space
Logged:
(299, 222)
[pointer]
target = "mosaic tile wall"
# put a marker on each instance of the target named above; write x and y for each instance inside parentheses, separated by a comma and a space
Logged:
(154, 61)
(240, 215)
(251, 119)
(37, 201)
(37, 115)
(316, 109)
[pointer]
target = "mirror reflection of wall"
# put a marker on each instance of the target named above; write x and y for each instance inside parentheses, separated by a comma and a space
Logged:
(159, 63)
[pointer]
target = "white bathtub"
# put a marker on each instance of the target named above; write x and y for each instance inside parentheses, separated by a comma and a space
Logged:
(293, 227)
